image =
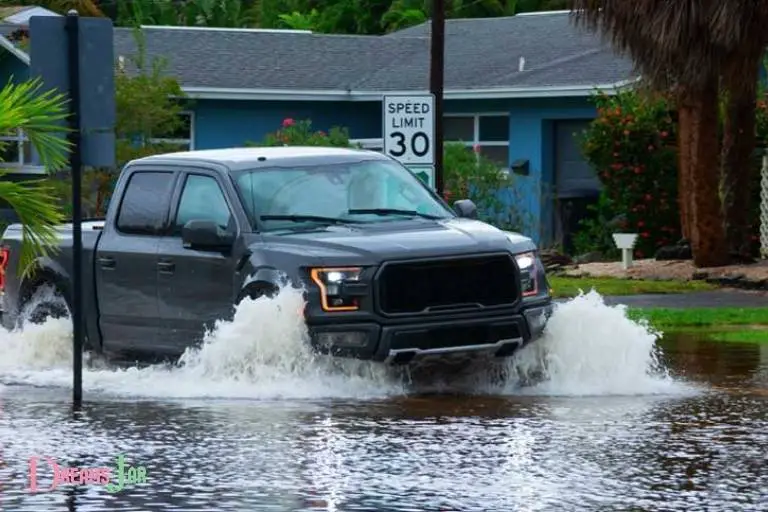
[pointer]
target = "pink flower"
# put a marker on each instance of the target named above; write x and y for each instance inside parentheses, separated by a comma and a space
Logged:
(476, 148)
(288, 122)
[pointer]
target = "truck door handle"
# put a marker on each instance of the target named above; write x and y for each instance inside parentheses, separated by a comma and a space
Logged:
(107, 262)
(166, 267)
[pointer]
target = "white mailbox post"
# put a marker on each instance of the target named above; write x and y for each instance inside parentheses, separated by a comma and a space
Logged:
(626, 243)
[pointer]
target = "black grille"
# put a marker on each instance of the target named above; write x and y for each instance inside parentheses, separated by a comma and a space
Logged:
(415, 287)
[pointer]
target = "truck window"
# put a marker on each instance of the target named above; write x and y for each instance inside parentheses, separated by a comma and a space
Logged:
(145, 203)
(202, 199)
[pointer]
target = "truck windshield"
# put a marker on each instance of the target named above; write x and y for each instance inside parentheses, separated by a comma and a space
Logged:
(354, 192)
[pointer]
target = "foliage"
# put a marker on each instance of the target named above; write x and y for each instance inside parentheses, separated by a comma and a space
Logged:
(631, 145)
(630, 171)
(325, 16)
(300, 133)
(470, 175)
(206, 13)
(39, 113)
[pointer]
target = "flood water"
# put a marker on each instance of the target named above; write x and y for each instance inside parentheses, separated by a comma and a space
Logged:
(615, 420)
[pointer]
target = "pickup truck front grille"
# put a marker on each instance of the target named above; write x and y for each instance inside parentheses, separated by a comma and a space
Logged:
(447, 284)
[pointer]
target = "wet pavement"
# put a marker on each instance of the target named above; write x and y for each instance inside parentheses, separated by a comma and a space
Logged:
(615, 421)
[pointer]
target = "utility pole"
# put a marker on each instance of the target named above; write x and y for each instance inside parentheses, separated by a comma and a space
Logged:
(436, 75)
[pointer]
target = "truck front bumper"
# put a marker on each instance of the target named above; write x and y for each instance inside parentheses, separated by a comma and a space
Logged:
(500, 336)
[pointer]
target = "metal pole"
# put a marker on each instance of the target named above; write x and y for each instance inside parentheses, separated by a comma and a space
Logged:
(75, 166)
(436, 65)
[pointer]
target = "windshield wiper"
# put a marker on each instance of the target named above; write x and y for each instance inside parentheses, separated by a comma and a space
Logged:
(393, 211)
(309, 218)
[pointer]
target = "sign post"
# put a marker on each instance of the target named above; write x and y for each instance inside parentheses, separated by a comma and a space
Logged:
(75, 56)
(409, 133)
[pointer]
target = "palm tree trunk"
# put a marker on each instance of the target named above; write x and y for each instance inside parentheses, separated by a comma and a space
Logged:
(699, 163)
(737, 168)
(684, 168)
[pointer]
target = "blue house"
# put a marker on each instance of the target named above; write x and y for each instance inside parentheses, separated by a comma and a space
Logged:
(518, 87)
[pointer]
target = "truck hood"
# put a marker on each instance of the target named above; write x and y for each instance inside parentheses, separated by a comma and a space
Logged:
(396, 239)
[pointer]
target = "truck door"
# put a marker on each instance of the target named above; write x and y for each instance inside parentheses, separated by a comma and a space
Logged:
(126, 263)
(195, 287)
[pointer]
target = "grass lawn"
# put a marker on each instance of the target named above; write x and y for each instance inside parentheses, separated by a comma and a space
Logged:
(744, 336)
(564, 287)
(745, 325)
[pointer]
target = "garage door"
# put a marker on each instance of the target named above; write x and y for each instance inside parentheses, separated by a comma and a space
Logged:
(573, 176)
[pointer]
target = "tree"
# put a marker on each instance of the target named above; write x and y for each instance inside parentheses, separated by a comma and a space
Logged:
(38, 113)
(674, 48)
(738, 28)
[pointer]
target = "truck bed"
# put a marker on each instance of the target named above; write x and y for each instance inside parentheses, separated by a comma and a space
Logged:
(59, 262)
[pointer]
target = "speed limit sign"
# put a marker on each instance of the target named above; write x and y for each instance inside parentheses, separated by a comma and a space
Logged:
(409, 128)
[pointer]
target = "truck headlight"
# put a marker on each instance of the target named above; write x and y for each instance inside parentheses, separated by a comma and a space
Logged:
(529, 273)
(331, 281)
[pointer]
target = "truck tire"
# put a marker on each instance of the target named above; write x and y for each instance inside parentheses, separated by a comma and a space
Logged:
(46, 302)
(256, 291)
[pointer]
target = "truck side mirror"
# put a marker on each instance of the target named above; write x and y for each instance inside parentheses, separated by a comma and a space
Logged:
(205, 234)
(465, 208)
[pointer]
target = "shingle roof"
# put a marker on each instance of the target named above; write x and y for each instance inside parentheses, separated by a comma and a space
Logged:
(480, 54)
(251, 59)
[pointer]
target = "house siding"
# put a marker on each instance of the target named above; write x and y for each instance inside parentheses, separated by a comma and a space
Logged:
(220, 124)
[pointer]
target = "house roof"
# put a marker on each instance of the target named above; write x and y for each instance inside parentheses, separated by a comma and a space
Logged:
(542, 54)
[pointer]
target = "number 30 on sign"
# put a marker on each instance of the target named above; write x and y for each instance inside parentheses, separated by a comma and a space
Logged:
(409, 128)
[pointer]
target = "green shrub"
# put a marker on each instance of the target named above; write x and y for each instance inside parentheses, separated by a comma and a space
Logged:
(470, 175)
(631, 145)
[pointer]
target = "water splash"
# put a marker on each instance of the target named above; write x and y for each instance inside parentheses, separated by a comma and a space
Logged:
(262, 353)
(590, 348)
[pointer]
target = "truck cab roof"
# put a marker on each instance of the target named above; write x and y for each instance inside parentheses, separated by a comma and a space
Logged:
(252, 157)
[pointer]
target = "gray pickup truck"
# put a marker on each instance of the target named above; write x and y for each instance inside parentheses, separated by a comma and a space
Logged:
(391, 272)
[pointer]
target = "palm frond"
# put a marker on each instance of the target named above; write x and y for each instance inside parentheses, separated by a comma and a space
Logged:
(37, 208)
(41, 114)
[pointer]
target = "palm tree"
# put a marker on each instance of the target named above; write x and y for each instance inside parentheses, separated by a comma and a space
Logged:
(38, 113)
(674, 48)
(738, 28)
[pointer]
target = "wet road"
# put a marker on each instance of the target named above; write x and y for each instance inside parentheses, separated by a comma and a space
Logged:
(609, 427)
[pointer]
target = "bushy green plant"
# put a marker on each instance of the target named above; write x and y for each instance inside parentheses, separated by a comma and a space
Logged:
(300, 133)
(470, 175)
(631, 145)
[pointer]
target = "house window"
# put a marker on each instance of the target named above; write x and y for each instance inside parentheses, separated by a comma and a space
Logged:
(182, 137)
(16, 150)
(489, 132)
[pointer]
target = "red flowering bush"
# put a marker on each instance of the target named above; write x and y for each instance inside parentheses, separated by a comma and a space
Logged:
(631, 145)
(300, 133)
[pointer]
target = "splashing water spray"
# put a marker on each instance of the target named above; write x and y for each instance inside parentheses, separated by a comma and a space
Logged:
(263, 352)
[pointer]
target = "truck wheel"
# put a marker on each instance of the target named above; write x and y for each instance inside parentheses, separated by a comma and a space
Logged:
(255, 292)
(45, 303)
